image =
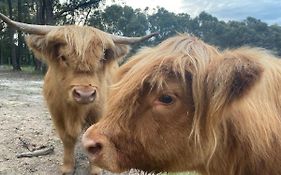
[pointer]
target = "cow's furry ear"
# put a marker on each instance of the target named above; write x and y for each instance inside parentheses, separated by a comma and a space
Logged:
(43, 46)
(37, 44)
(232, 76)
(121, 50)
(114, 52)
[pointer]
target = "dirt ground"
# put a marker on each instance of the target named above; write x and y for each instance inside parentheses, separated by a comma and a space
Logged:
(25, 118)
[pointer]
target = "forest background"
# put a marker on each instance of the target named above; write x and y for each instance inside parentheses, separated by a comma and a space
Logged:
(124, 20)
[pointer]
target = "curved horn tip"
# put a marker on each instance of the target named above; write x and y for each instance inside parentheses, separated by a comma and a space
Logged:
(155, 33)
(149, 36)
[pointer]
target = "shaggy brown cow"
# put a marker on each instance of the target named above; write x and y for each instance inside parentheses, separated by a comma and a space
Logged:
(185, 106)
(81, 63)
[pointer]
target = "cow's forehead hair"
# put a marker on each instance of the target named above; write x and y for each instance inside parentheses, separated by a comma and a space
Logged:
(83, 45)
(176, 56)
(81, 39)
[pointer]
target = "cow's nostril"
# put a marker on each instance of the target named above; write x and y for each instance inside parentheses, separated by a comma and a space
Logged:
(94, 148)
(76, 94)
(93, 93)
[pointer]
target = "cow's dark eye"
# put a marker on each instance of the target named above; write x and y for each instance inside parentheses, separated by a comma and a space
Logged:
(166, 99)
(108, 54)
(63, 58)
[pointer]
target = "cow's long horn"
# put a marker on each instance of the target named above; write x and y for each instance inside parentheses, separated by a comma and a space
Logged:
(131, 40)
(28, 28)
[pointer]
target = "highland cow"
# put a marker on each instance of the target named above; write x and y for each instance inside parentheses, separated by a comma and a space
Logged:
(186, 106)
(81, 61)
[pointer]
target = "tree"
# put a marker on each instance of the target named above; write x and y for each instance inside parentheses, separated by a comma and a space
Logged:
(164, 22)
(274, 38)
(75, 10)
(124, 20)
(20, 38)
(14, 60)
(168, 23)
(120, 20)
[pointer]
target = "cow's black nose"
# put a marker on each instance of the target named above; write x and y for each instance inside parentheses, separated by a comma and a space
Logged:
(84, 95)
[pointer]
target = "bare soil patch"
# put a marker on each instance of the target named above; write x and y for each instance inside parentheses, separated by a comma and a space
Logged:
(24, 117)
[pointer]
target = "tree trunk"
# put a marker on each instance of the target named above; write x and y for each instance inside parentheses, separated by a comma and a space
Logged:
(40, 19)
(49, 11)
(44, 16)
(11, 36)
(1, 55)
(20, 37)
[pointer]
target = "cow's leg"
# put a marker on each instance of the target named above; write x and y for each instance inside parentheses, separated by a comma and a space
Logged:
(68, 154)
(68, 136)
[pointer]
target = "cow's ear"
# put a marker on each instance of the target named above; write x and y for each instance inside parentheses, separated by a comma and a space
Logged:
(43, 46)
(115, 52)
(37, 44)
(232, 76)
(121, 50)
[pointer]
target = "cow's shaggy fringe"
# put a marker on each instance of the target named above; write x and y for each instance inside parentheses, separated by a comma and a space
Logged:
(236, 124)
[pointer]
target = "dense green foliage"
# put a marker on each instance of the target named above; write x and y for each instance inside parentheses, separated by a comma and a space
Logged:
(124, 20)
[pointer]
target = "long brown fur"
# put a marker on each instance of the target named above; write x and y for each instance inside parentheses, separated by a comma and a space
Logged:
(229, 122)
(76, 56)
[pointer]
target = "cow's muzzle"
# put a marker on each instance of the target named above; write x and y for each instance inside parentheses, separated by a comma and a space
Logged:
(94, 145)
(84, 94)
(101, 151)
